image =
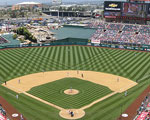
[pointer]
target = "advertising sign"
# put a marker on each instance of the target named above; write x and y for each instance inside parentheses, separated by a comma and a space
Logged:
(142, 116)
(132, 9)
(96, 41)
(2, 117)
(111, 14)
(112, 6)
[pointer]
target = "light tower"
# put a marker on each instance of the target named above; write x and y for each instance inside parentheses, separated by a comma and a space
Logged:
(57, 2)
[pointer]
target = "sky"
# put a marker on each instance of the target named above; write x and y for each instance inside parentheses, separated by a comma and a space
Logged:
(10, 2)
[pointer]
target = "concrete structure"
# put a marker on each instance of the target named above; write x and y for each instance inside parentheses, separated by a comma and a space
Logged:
(30, 5)
(66, 13)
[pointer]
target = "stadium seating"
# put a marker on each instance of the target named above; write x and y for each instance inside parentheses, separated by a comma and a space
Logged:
(114, 26)
(3, 115)
(144, 109)
(144, 29)
(143, 38)
(99, 25)
(121, 33)
(131, 28)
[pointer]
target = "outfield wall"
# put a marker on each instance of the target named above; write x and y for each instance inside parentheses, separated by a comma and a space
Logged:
(77, 41)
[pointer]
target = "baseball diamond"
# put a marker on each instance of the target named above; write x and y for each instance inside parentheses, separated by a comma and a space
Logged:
(40, 76)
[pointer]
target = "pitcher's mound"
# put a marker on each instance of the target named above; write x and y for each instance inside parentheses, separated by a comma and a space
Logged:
(78, 113)
(71, 91)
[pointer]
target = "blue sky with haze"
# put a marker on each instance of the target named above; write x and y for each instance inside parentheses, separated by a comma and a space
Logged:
(10, 2)
(4, 2)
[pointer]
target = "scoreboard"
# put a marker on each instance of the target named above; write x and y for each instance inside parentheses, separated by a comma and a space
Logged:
(115, 9)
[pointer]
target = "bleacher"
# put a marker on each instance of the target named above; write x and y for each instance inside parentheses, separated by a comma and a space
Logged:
(142, 38)
(122, 33)
(144, 29)
(99, 25)
(131, 28)
(114, 26)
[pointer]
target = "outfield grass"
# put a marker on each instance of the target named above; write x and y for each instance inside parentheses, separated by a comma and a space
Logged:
(129, 64)
(18, 62)
(53, 92)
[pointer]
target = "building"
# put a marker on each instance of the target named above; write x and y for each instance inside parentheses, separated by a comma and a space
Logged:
(31, 5)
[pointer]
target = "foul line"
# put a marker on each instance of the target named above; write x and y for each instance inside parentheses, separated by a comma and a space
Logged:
(48, 103)
(60, 108)
(96, 101)
(57, 107)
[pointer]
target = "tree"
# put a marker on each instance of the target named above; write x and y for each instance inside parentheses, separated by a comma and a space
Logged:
(27, 35)
(14, 36)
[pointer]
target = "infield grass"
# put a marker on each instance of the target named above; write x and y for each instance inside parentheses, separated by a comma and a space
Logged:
(130, 64)
(53, 92)
(109, 109)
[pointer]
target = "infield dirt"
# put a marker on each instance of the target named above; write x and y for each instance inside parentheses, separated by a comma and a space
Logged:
(117, 84)
(113, 82)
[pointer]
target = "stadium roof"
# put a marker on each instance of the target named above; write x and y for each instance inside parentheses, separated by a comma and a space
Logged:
(28, 3)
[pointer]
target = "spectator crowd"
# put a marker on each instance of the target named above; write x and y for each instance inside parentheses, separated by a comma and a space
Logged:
(143, 113)
(120, 33)
(3, 115)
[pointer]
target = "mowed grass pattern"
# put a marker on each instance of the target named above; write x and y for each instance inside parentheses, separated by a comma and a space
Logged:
(53, 92)
(18, 62)
(130, 64)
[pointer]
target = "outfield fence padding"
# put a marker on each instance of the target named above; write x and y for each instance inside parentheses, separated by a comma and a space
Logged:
(77, 41)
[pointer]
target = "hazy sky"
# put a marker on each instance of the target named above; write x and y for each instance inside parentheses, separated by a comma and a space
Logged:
(8, 2)
(4, 2)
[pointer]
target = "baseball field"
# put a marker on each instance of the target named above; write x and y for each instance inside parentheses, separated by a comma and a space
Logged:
(101, 76)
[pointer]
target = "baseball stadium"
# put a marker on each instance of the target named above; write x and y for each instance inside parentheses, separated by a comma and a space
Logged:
(97, 72)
